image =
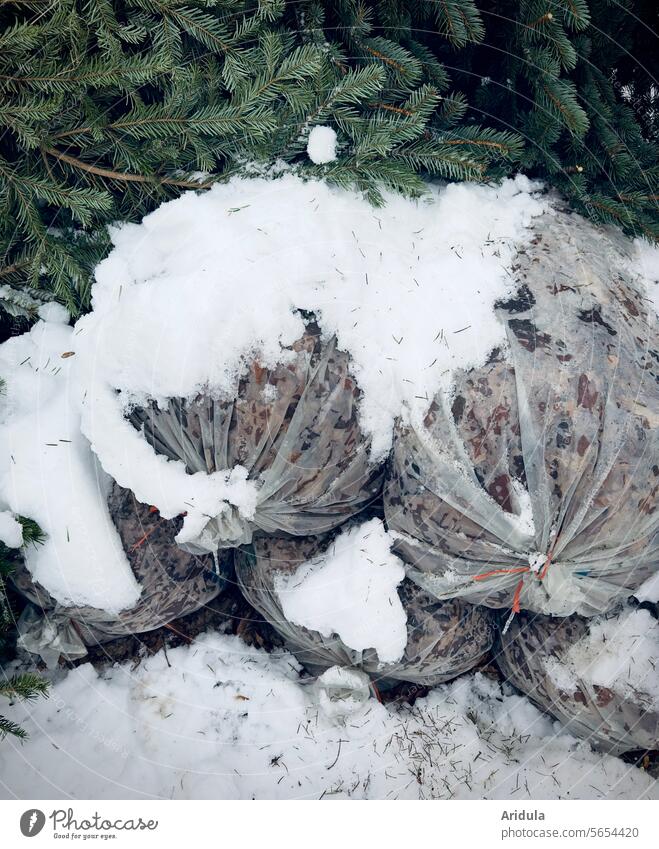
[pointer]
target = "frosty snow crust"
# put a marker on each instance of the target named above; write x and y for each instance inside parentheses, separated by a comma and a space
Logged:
(210, 283)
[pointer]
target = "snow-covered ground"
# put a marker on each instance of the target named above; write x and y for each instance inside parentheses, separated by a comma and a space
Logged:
(220, 720)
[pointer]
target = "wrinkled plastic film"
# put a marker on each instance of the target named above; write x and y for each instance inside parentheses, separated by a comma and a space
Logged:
(536, 481)
(294, 428)
(603, 717)
(174, 583)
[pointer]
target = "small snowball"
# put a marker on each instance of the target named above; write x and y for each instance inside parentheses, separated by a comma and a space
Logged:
(342, 692)
(321, 145)
(53, 312)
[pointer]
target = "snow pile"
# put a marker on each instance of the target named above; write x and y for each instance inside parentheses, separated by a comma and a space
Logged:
(321, 145)
(620, 653)
(350, 591)
(219, 720)
(649, 589)
(210, 279)
(48, 473)
(11, 530)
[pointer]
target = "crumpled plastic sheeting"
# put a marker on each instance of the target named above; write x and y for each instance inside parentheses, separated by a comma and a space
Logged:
(606, 719)
(174, 583)
(50, 635)
(445, 639)
(294, 428)
(566, 418)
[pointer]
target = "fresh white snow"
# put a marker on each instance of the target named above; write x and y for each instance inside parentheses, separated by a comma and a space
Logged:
(350, 591)
(321, 145)
(209, 279)
(49, 474)
(649, 589)
(11, 530)
(220, 720)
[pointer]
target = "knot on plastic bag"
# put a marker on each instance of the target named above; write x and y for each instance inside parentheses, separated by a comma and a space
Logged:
(558, 591)
(544, 584)
(342, 692)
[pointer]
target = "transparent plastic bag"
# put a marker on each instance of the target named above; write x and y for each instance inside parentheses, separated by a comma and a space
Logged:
(294, 428)
(535, 484)
(444, 639)
(174, 583)
(610, 720)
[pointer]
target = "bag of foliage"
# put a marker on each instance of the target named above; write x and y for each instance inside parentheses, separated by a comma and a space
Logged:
(289, 439)
(596, 675)
(344, 601)
(534, 486)
(173, 583)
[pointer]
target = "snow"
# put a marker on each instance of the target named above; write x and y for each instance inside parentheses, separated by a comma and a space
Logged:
(49, 474)
(218, 720)
(342, 692)
(646, 263)
(321, 145)
(620, 653)
(649, 589)
(54, 312)
(350, 591)
(11, 530)
(211, 279)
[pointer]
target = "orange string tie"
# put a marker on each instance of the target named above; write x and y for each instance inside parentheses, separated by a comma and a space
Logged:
(517, 571)
(143, 539)
(547, 564)
(518, 592)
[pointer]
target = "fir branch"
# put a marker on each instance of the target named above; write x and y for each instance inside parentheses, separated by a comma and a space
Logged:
(122, 177)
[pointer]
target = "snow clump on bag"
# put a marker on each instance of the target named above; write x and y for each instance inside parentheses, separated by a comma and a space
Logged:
(206, 390)
(346, 602)
(108, 565)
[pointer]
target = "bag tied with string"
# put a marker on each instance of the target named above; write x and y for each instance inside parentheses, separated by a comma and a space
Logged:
(534, 485)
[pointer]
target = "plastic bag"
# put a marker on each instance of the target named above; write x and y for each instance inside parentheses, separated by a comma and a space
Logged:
(534, 486)
(444, 639)
(174, 583)
(534, 656)
(294, 428)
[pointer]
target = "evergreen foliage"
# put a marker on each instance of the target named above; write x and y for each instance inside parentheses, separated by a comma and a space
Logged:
(26, 686)
(107, 107)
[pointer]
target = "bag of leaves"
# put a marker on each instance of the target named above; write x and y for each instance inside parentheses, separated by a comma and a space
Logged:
(344, 601)
(534, 485)
(173, 583)
(289, 440)
(598, 676)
